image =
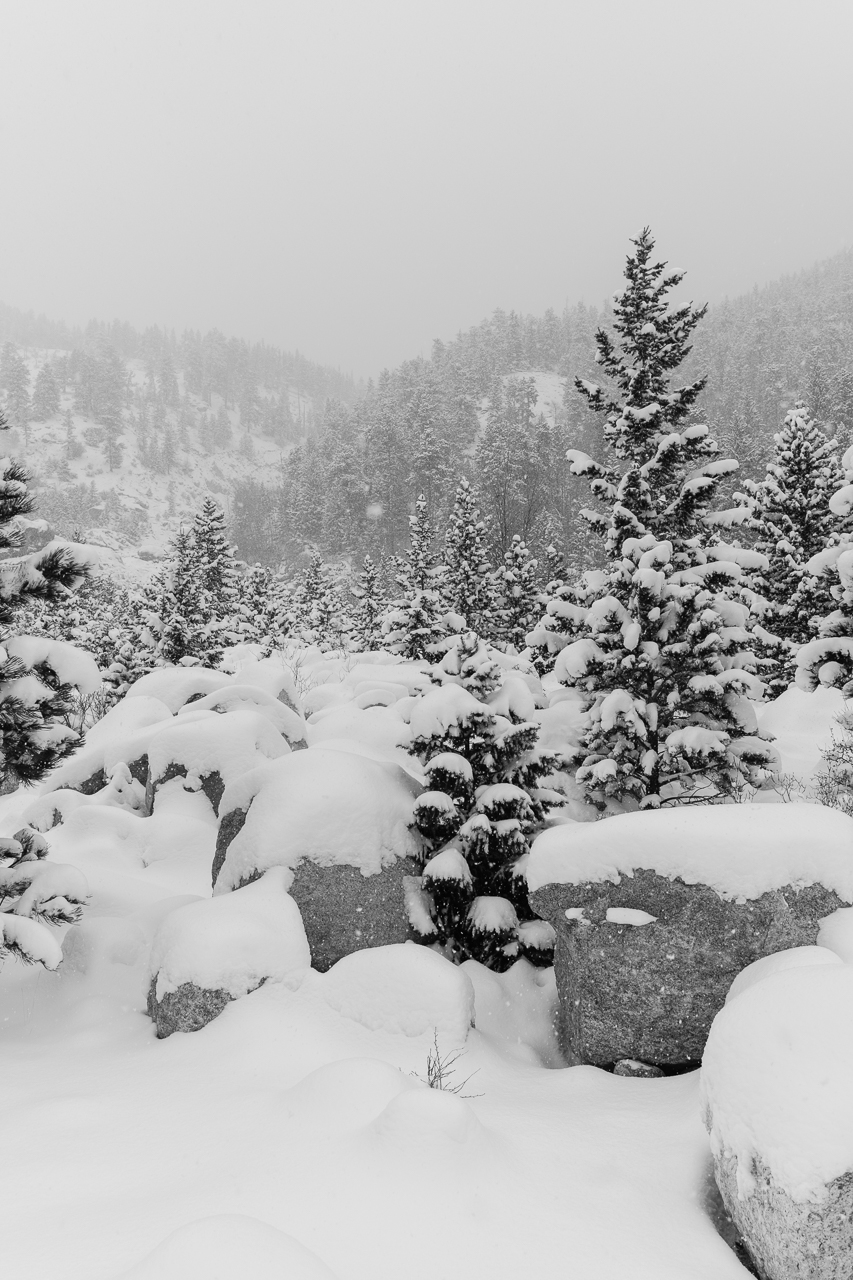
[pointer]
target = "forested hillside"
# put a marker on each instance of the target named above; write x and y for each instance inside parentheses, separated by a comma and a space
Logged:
(127, 431)
(498, 403)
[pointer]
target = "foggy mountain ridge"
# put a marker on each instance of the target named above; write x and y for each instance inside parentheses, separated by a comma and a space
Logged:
(299, 453)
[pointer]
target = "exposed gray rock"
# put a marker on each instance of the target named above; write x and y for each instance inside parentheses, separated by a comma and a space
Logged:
(650, 992)
(188, 1008)
(211, 785)
(230, 826)
(344, 911)
(642, 1070)
(786, 1239)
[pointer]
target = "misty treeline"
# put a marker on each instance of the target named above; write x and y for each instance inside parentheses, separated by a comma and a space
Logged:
(266, 385)
(471, 409)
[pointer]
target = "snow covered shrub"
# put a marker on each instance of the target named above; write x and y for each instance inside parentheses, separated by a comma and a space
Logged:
(656, 641)
(35, 893)
(485, 800)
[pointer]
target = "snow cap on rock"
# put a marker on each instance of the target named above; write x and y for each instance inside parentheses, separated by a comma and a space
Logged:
(739, 850)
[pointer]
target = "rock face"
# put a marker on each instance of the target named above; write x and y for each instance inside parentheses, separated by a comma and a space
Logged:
(344, 911)
(788, 1239)
(339, 823)
(188, 1008)
(650, 990)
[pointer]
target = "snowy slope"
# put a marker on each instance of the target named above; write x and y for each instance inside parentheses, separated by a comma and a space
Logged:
(164, 501)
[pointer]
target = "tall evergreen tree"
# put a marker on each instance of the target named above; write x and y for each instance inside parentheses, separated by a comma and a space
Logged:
(468, 588)
(45, 394)
(655, 642)
(214, 556)
(370, 602)
(417, 622)
(15, 379)
(517, 595)
(790, 514)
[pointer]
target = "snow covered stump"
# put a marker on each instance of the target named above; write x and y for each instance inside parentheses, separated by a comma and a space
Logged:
(656, 912)
(340, 825)
(778, 1105)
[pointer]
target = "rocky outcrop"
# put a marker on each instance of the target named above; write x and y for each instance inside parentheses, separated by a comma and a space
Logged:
(188, 1008)
(646, 983)
(789, 1239)
(344, 911)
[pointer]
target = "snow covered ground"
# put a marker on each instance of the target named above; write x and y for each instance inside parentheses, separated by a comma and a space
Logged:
(296, 1131)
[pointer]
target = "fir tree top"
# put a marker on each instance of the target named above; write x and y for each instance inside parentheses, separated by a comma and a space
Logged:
(672, 467)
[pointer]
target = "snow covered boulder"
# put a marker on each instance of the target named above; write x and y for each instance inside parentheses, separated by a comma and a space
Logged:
(210, 952)
(656, 912)
(230, 1246)
(209, 750)
(778, 1105)
(402, 990)
(340, 824)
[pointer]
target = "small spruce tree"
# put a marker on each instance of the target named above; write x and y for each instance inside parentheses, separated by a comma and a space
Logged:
(486, 798)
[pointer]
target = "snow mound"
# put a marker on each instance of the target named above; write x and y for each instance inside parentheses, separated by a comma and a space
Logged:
(231, 943)
(247, 697)
(802, 725)
(836, 933)
(739, 850)
(204, 742)
(403, 989)
(775, 1079)
(176, 685)
(779, 962)
(113, 738)
(330, 807)
(230, 1246)
(418, 1117)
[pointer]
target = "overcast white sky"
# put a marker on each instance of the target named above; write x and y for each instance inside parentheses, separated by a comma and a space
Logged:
(357, 177)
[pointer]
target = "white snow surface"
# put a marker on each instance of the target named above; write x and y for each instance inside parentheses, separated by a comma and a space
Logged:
(206, 742)
(776, 1078)
(778, 962)
(402, 989)
(232, 943)
(802, 725)
(741, 851)
(229, 1246)
(330, 807)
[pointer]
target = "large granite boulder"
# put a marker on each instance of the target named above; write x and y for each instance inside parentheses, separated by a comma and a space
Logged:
(777, 1103)
(657, 912)
(340, 823)
(207, 953)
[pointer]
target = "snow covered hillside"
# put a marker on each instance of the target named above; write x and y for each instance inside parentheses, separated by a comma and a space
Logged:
(135, 507)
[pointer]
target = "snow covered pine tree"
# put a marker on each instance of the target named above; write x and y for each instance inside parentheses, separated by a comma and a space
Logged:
(486, 799)
(828, 660)
(790, 512)
(417, 624)
(38, 676)
(655, 642)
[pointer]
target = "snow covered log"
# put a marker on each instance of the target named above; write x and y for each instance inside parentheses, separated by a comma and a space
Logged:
(340, 823)
(777, 1103)
(208, 953)
(656, 912)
